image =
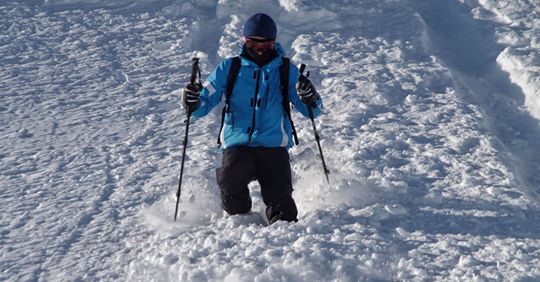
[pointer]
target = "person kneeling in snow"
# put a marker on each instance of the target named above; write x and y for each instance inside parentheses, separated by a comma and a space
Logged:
(256, 128)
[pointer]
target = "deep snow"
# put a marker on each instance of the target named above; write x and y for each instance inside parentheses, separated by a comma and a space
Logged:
(430, 130)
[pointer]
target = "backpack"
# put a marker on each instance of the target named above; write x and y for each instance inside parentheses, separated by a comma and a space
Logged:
(284, 79)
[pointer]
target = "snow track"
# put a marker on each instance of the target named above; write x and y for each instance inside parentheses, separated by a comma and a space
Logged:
(469, 48)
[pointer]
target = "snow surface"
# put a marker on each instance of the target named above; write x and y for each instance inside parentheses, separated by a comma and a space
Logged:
(430, 131)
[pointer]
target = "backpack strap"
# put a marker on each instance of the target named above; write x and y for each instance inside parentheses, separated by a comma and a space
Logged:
(284, 78)
(231, 79)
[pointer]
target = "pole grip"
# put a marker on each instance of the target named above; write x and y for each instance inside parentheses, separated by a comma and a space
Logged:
(194, 69)
(302, 68)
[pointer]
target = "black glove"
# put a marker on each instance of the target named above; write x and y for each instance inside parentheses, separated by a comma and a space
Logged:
(190, 97)
(307, 91)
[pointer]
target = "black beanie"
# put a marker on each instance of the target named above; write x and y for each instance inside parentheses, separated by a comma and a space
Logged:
(261, 25)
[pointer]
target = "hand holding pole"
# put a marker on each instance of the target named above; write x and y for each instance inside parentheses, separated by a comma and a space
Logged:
(310, 112)
(194, 72)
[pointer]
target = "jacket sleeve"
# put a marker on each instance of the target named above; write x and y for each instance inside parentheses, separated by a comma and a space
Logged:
(213, 88)
(294, 74)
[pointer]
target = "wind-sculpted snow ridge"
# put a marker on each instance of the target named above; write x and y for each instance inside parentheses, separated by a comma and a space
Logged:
(432, 160)
(518, 29)
(472, 54)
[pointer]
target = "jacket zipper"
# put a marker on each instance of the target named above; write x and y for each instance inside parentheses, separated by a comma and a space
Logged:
(265, 103)
(254, 104)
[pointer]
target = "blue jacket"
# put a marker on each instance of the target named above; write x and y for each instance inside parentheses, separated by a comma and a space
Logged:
(256, 117)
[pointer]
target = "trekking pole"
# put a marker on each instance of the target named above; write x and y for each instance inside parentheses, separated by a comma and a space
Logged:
(194, 72)
(317, 137)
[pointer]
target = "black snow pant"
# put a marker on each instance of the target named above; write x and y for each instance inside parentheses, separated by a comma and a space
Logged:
(269, 166)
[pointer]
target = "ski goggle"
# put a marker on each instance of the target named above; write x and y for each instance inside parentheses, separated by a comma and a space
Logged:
(262, 45)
